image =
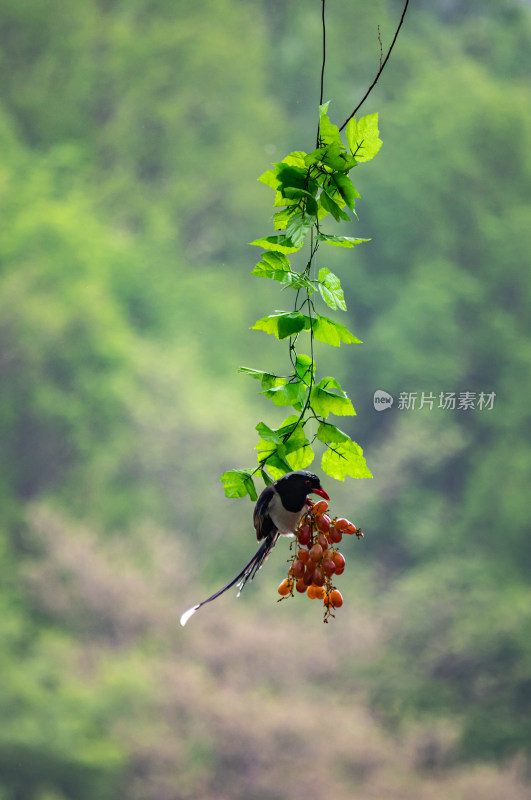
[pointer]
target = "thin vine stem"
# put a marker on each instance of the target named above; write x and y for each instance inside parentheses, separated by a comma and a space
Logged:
(381, 69)
(321, 94)
(314, 246)
(323, 22)
(304, 374)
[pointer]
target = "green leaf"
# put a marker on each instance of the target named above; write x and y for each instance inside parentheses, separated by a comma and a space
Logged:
(289, 323)
(284, 449)
(336, 159)
(298, 227)
(276, 260)
(254, 373)
(325, 401)
(295, 392)
(273, 265)
(330, 434)
(302, 194)
(280, 244)
(304, 367)
(277, 466)
(348, 162)
(281, 218)
(268, 434)
(239, 483)
(363, 137)
(299, 280)
(331, 332)
(295, 280)
(315, 157)
(276, 267)
(345, 459)
(270, 178)
(281, 325)
(328, 133)
(288, 176)
(299, 453)
(282, 200)
(295, 430)
(346, 189)
(295, 159)
(269, 454)
(265, 477)
(300, 458)
(278, 396)
(288, 444)
(331, 291)
(266, 447)
(330, 205)
(339, 241)
(288, 394)
(290, 434)
(268, 380)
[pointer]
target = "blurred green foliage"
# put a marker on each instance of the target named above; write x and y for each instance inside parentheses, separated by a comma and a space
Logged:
(132, 132)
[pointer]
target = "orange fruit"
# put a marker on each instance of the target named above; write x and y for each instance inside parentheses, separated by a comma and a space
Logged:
(342, 524)
(285, 587)
(335, 598)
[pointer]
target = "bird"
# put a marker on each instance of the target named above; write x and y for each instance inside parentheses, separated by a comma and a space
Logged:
(278, 511)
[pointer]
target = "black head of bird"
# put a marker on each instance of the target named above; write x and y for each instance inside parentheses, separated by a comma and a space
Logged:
(281, 505)
(295, 487)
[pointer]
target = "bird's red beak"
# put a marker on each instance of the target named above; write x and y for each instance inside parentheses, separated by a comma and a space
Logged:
(321, 492)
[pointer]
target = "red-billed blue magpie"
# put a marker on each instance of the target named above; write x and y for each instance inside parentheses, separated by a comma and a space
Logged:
(277, 512)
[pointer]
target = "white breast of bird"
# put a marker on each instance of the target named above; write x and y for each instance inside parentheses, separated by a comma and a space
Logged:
(286, 521)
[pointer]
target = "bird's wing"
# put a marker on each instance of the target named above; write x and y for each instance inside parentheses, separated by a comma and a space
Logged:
(263, 523)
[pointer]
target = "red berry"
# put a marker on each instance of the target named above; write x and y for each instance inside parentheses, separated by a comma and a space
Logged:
(308, 577)
(323, 541)
(323, 523)
(335, 535)
(316, 553)
(329, 567)
(305, 535)
(297, 569)
(339, 561)
(318, 576)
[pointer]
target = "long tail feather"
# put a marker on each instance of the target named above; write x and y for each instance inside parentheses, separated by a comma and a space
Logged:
(247, 573)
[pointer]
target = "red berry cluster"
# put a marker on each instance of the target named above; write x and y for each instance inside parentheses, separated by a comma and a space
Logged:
(318, 559)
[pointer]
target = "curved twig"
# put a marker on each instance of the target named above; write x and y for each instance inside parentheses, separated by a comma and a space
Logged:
(323, 23)
(382, 66)
(324, 53)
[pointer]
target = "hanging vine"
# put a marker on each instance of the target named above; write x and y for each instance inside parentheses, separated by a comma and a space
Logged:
(309, 189)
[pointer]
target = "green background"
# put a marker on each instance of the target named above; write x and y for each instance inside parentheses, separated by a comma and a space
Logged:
(131, 136)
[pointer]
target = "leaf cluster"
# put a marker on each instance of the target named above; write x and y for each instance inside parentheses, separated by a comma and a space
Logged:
(308, 188)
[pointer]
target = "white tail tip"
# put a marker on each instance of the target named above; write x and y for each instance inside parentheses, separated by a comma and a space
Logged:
(187, 614)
